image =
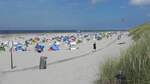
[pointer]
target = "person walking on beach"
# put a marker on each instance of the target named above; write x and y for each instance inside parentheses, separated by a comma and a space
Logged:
(94, 46)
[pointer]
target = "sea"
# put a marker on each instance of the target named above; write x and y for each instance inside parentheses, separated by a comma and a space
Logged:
(56, 31)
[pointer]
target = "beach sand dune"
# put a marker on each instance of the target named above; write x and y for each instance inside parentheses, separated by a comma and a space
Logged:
(64, 67)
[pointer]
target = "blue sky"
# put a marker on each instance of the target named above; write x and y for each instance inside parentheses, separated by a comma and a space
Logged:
(75, 14)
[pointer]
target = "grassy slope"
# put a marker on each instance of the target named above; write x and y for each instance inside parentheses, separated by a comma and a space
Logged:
(139, 30)
(135, 62)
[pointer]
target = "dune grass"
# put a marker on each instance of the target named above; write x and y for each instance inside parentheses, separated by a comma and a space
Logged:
(134, 63)
(139, 30)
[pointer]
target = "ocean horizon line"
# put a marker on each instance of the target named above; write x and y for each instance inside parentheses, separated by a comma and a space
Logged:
(57, 31)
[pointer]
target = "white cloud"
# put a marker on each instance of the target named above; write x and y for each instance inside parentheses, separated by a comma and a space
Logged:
(140, 2)
(96, 1)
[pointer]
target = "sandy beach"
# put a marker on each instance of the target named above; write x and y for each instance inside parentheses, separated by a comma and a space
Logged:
(80, 66)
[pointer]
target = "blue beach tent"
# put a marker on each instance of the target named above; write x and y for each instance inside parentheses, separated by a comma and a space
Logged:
(54, 47)
(20, 47)
(39, 48)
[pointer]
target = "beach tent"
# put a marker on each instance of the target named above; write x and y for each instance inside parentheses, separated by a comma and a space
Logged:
(37, 39)
(5, 43)
(29, 41)
(79, 41)
(20, 47)
(47, 41)
(54, 47)
(39, 47)
(2, 48)
(57, 42)
(73, 46)
(15, 43)
(66, 39)
(62, 38)
(98, 37)
(58, 38)
(72, 38)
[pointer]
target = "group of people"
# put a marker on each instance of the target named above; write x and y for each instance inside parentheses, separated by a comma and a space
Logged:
(71, 40)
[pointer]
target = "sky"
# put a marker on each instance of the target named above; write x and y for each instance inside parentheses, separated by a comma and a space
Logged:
(73, 14)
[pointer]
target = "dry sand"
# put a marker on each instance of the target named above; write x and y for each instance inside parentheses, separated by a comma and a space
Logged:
(64, 67)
